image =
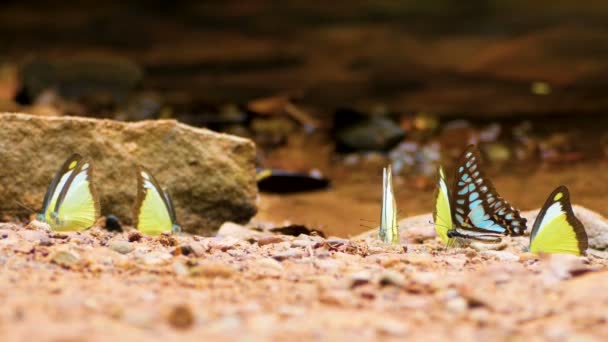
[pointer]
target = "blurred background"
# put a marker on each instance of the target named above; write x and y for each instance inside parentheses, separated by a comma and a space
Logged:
(331, 92)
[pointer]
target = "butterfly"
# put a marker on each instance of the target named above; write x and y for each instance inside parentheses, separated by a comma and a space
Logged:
(473, 209)
(556, 229)
(153, 212)
(71, 202)
(389, 229)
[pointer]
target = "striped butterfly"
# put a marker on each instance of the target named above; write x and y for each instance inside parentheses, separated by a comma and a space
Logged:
(71, 202)
(473, 209)
(389, 229)
(153, 212)
(556, 229)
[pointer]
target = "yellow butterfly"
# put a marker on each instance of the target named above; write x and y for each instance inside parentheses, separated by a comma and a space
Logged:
(71, 202)
(389, 229)
(556, 229)
(153, 212)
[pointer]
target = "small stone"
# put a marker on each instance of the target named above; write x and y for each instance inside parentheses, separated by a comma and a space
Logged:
(156, 258)
(558, 267)
(390, 277)
(327, 264)
(359, 278)
(392, 327)
(212, 270)
(135, 236)
(121, 246)
(271, 239)
(198, 249)
(223, 244)
(234, 230)
(269, 263)
(167, 240)
(480, 315)
(38, 225)
(182, 250)
(288, 254)
(180, 269)
(303, 243)
(65, 259)
(457, 305)
(24, 247)
(181, 317)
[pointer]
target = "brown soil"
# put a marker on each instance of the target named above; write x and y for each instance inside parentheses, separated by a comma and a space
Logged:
(72, 287)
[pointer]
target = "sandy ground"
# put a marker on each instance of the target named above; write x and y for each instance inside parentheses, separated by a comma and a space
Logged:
(254, 286)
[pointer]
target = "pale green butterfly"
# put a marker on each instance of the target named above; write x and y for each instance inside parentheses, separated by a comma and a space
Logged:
(71, 202)
(153, 212)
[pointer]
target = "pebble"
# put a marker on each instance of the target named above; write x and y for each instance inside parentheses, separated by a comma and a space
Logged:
(302, 243)
(223, 243)
(67, 259)
(288, 254)
(135, 236)
(392, 327)
(24, 247)
(168, 240)
(270, 239)
(269, 263)
(181, 317)
(457, 305)
(156, 258)
(198, 249)
(558, 267)
(390, 277)
(180, 269)
(359, 278)
(327, 264)
(121, 246)
(38, 225)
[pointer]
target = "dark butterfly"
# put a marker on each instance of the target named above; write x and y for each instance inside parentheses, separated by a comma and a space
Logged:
(473, 209)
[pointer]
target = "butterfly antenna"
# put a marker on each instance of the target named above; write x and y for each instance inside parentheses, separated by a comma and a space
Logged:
(440, 225)
(365, 220)
(365, 226)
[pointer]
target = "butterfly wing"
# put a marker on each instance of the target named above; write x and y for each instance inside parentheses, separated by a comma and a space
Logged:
(58, 182)
(442, 215)
(152, 214)
(76, 207)
(478, 208)
(389, 229)
(556, 229)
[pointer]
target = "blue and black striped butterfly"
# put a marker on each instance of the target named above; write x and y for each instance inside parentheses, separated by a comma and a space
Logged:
(473, 209)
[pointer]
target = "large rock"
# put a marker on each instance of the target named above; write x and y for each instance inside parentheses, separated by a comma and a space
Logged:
(210, 176)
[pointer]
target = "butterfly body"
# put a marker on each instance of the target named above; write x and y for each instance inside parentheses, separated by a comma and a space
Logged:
(473, 209)
(71, 202)
(389, 229)
(153, 212)
(556, 229)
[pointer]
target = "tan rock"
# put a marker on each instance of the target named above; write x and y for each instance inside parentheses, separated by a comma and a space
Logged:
(211, 176)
